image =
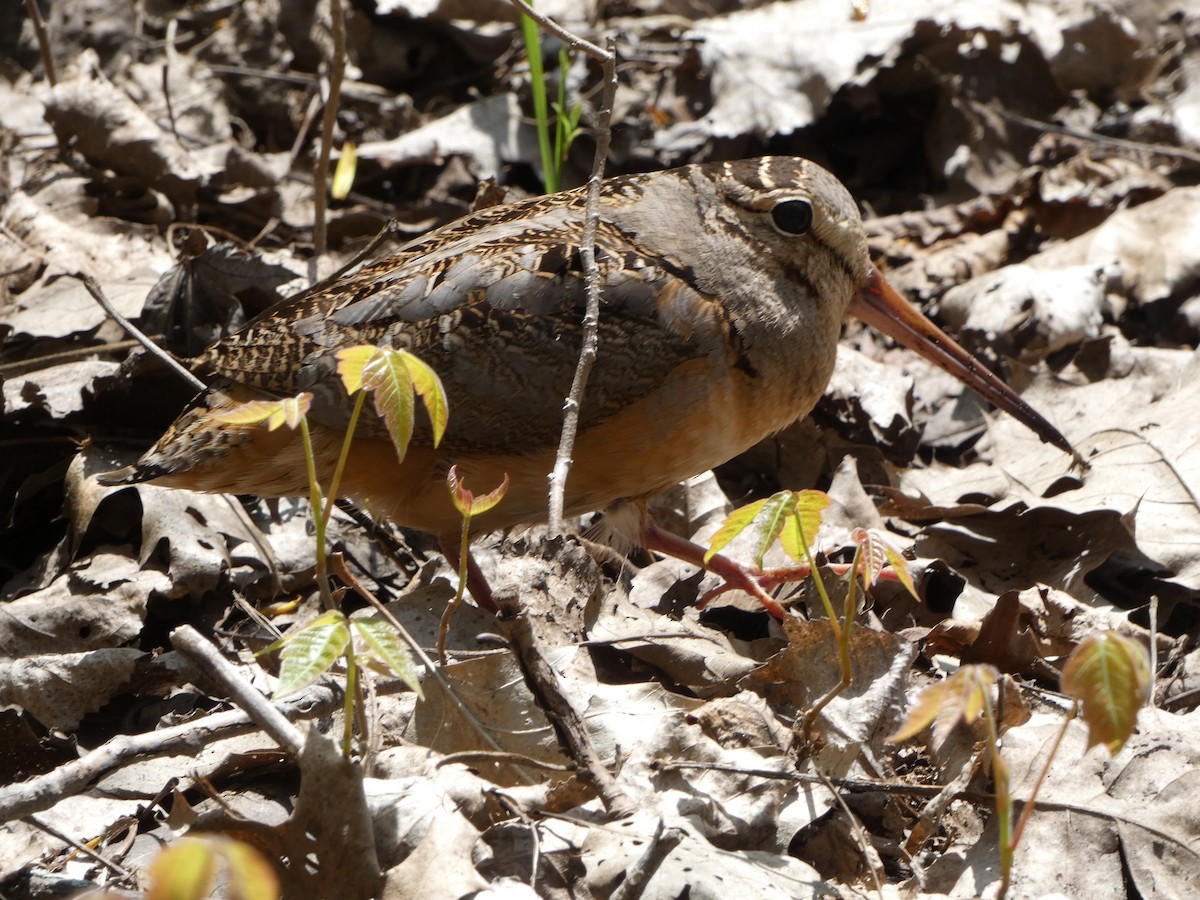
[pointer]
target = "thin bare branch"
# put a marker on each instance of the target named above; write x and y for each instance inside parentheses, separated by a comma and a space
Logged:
(591, 318)
(337, 69)
(189, 642)
(572, 40)
(569, 725)
(39, 29)
(76, 776)
(93, 288)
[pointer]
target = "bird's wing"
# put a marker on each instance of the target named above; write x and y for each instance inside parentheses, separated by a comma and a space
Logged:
(494, 303)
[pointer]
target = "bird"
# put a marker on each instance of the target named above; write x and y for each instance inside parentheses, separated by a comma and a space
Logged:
(724, 288)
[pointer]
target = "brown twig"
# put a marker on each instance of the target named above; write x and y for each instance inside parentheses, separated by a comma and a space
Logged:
(189, 642)
(169, 57)
(93, 288)
(40, 363)
(39, 29)
(591, 318)
(568, 724)
(80, 847)
(469, 757)
(870, 856)
(658, 848)
(574, 41)
(1091, 136)
(337, 69)
(44, 791)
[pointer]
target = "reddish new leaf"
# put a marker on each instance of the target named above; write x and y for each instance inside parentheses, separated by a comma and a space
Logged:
(960, 698)
(1109, 674)
(466, 502)
(878, 554)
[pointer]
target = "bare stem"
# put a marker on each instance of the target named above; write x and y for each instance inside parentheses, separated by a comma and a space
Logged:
(337, 69)
(591, 318)
(39, 29)
(464, 556)
(93, 288)
(319, 518)
(574, 41)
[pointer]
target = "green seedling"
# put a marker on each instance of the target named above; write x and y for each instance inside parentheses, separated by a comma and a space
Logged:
(1108, 676)
(393, 378)
(312, 650)
(187, 870)
(793, 519)
(566, 126)
(468, 505)
(566, 120)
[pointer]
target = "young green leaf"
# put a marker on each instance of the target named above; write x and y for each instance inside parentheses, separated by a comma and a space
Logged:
(386, 647)
(350, 364)
(310, 650)
(388, 378)
(769, 523)
(393, 376)
(959, 698)
(810, 509)
(429, 386)
(923, 712)
(735, 523)
(251, 876)
(1109, 674)
(288, 411)
(566, 122)
(185, 870)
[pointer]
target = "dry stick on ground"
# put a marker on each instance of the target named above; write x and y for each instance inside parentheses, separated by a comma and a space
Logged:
(119, 871)
(535, 836)
(870, 856)
(587, 254)
(1038, 125)
(75, 777)
(189, 642)
(568, 724)
(81, 847)
(658, 848)
(37, 363)
(169, 57)
(93, 288)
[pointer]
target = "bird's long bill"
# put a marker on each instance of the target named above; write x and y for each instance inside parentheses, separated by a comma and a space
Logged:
(881, 306)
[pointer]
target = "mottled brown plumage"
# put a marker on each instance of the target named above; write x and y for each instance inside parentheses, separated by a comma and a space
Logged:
(724, 287)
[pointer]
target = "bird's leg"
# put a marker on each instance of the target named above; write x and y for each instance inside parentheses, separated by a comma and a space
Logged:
(476, 583)
(735, 574)
(753, 581)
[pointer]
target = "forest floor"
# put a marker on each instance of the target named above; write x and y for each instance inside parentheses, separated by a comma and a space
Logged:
(1028, 174)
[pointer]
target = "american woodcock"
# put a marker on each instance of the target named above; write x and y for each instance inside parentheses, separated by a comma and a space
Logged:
(724, 288)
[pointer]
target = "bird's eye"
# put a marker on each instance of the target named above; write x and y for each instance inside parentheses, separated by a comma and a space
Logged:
(792, 217)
